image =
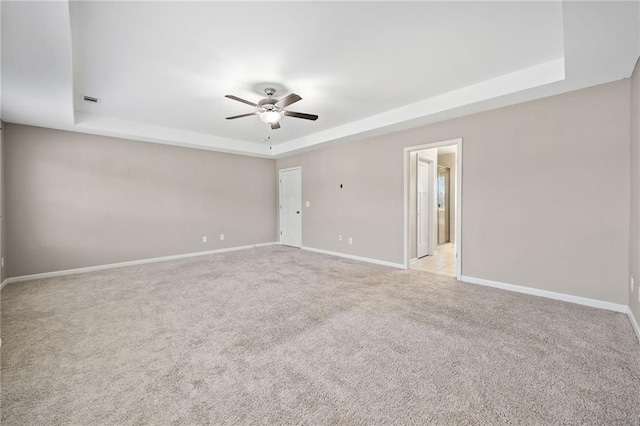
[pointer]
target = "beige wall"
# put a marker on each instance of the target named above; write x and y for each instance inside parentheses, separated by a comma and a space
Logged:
(76, 200)
(634, 240)
(449, 160)
(356, 209)
(559, 222)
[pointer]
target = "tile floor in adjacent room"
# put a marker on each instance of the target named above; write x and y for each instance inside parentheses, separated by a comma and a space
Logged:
(443, 262)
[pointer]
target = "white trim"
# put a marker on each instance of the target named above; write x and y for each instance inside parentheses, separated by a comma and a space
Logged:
(634, 322)
(414, 260)
(129, 263)
(354, 257)
(458, 200)
(4, 283)
(594, 303)
(458, 204)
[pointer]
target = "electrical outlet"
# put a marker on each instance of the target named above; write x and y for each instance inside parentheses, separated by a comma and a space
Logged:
(339, 237)
(631, 280)
(350, 240)
(308, 203)
(221, 237)
(204, 238)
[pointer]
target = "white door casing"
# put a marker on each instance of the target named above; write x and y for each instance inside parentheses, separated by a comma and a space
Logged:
(423, 208)
(291, 207)
(408, 238)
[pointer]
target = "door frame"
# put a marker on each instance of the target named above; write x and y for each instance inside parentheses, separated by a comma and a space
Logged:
(458, 199)
(431, 220)
(280, 171)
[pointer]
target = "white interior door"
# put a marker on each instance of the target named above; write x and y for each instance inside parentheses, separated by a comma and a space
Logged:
(291, 207)
(424, 171)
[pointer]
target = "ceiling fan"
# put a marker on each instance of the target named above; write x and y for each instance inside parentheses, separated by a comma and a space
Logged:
(271, 110)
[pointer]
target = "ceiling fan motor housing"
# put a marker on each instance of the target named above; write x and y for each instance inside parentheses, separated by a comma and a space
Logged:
(269, 104)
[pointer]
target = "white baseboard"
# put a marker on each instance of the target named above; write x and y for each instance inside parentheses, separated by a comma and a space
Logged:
(129, 263)
(634, 322)
(353, 257)
(4, 283)
(594, 303)
(414, 260)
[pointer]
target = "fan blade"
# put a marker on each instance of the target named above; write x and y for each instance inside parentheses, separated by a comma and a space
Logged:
(241, 115)
(235, 98)
(300, 115)
(275, 126)
(288, 100)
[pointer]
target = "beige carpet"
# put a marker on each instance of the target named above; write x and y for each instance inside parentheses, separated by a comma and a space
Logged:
(277, 335)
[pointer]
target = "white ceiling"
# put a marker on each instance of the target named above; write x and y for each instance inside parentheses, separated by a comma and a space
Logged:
(161, 69)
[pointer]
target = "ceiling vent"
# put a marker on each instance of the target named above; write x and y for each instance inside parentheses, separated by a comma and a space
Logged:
(91, 99)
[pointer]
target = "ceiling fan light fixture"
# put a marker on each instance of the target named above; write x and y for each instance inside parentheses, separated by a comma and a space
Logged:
(270, 117)
(271, 110)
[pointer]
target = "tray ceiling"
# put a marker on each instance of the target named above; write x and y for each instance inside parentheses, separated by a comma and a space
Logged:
(161, 69)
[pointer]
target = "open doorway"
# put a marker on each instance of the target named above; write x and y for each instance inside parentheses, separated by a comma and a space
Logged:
(433, 207)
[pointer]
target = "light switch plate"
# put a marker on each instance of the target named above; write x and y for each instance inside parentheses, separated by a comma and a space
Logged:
(221, 237)
(308, 204)
(204, 239)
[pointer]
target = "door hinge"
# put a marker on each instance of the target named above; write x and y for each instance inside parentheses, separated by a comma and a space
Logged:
(280, 232)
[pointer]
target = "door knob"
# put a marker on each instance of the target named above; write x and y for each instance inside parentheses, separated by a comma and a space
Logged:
(297, 212)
